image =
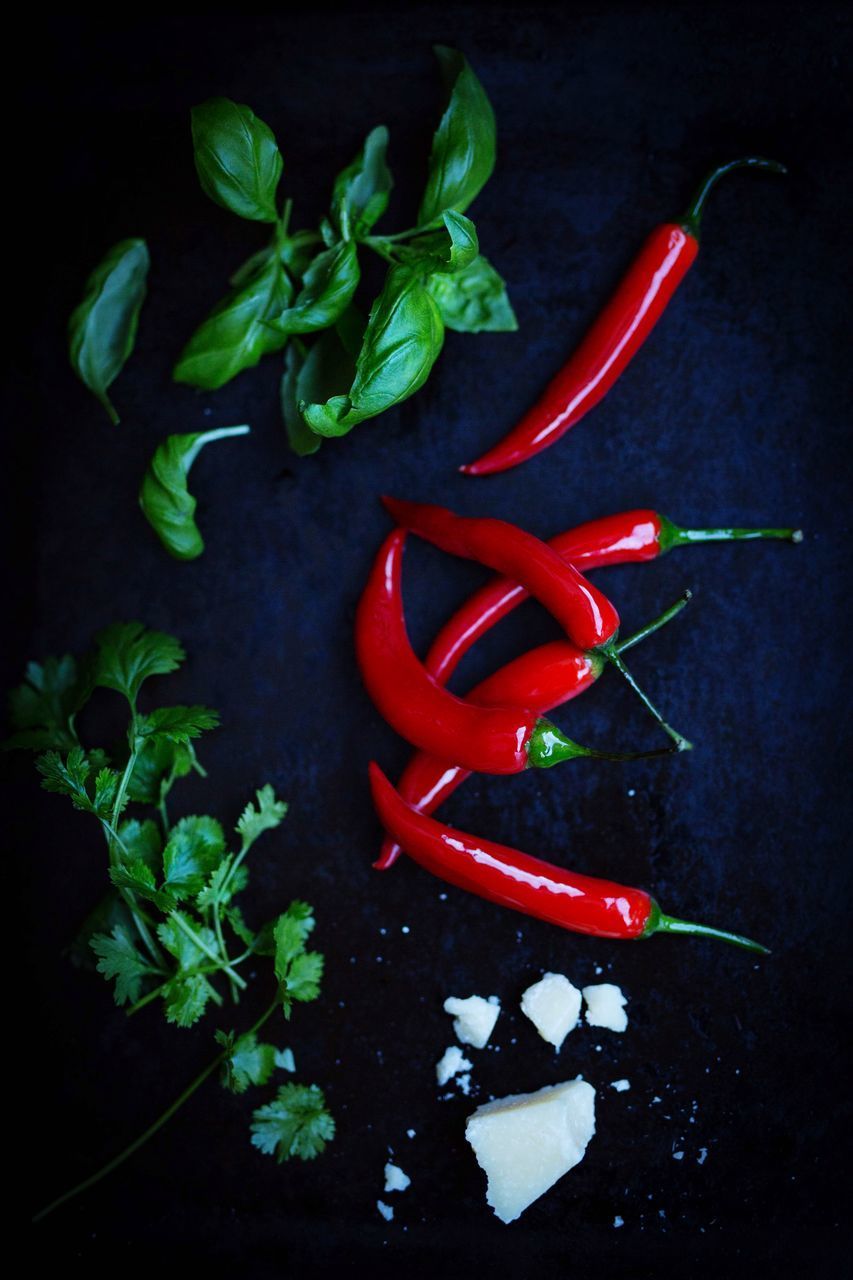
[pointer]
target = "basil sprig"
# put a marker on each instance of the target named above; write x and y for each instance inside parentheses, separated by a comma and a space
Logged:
(166, 502)
(303, 283)
(102, 329)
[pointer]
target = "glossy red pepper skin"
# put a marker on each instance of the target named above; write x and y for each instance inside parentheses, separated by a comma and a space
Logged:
(631, 536)
(585, 614)
(640, 299)
(583, 904)
(542, 678)
(485, 739)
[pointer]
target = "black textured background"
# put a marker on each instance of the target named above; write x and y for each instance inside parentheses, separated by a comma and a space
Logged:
(737, 411)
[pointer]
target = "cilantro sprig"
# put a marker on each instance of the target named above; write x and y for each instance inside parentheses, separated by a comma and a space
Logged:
(172, 931)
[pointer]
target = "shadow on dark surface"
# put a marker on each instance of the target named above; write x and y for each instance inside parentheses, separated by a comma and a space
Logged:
(737, 411)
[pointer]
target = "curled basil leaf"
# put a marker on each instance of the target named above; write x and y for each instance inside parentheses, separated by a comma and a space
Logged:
(360, 194)
(327, 368)
(166, 502)
(102, 329)
(327, 290)
(473, 300)
(401, 344)
(451, 249)
(463, 146)
(236, 333)
(236, 158)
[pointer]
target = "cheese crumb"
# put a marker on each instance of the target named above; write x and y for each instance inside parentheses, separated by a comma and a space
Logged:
(552, 1004)
(452, 1062)
(620, 1085)
(525, 1142)
(395, 1179)
(385, 1209)
(605, 1006)
(618, 1222)
(473, 1019)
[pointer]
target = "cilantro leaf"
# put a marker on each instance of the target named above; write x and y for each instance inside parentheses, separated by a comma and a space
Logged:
(195, 847)
(142, 841)
(304, 976)
(215, 891)
(295, 1124)
(290, 933)
(118, 958)
(249, 1062)
(269, 813)
(176, 724)
(185, 999)
(128, 653)
(234, 916)
(42, 709)
(70, 777)
(157, 760)
(180, 945)
(137, 876)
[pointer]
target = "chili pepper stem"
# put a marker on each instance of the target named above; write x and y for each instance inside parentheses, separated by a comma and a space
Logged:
(611, 653)
(659, 922)
(548, 745)
(672, 536)
(693, 217)
(651, 627)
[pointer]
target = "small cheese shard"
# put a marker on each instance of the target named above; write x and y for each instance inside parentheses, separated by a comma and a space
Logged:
(452, 1062)
(605, 1006)
(473, 1019)
(385, 1209)
(525, 1142)
(553, 1005)
(395, 1179)
(621, 1086)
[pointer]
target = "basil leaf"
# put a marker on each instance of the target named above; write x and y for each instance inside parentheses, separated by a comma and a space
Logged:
(295, 253)
(401, 344)
(235, 336)
(326, 369)
(451, 249)
(102, 329)
(360, 194)
(327, 290)
(236, 158)
(473, 300)
(166, 502)
(463, 147)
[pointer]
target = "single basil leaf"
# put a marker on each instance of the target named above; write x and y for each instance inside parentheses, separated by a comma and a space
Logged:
(361, 191)
(236, 158)
(166, 502)
(463, 147)
(452, 249)
(235, 336)
(326, 369)
(327, 290)
(401, 344)
(473, 300)
(102, 329)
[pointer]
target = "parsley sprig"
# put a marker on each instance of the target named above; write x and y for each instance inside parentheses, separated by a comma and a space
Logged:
(174, 933)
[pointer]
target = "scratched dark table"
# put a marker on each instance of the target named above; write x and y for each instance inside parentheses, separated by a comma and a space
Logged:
(725, 1155)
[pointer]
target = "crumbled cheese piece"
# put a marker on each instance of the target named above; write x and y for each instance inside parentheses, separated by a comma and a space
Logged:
(703, 1155)
(525, 1142)
(385, 1209)
(395, 1179)
(605, 1006)
(552, 1004)
(620, 1085)
(410, 1133)
(463, 1083)
(452, 1062)
(473, 1019)
(618, 1222)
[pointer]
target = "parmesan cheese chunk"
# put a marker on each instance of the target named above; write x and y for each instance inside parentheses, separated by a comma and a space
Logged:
(473, 1019)
(605, 1006)
(525, 1142)
(553, 1005)
(450, 1064)
(395, 1179)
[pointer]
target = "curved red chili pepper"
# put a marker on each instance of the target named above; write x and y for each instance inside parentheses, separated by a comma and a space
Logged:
(583, 904)
(587, 616)
(631, 536)
(616, 336)
(480, 738)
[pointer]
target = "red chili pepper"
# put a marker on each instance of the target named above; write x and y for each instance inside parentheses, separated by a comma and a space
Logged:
(614, 339)
(631, 536)
(583, 904)
(587, 616)
(543, 678)
(484, 739)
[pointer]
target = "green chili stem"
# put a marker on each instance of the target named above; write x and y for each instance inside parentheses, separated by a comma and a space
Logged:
(673, 536)
(611, 653)
(696, 208)
(651, 627)
(548, 745)
(658, 922)
(152, 1129)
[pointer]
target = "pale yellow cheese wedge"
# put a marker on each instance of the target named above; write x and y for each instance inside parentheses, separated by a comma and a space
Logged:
(525, 1142)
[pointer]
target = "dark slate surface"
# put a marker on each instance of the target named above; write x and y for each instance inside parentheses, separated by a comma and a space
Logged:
(736, 411)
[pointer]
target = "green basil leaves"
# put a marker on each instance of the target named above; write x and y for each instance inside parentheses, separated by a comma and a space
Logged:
(463, 148)
(474, 300)
(361, 191)
(236, 157)
(327, 290)
(166, 502)
(102, 329)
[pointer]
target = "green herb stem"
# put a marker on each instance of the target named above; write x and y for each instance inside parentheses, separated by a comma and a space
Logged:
(202, 946)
